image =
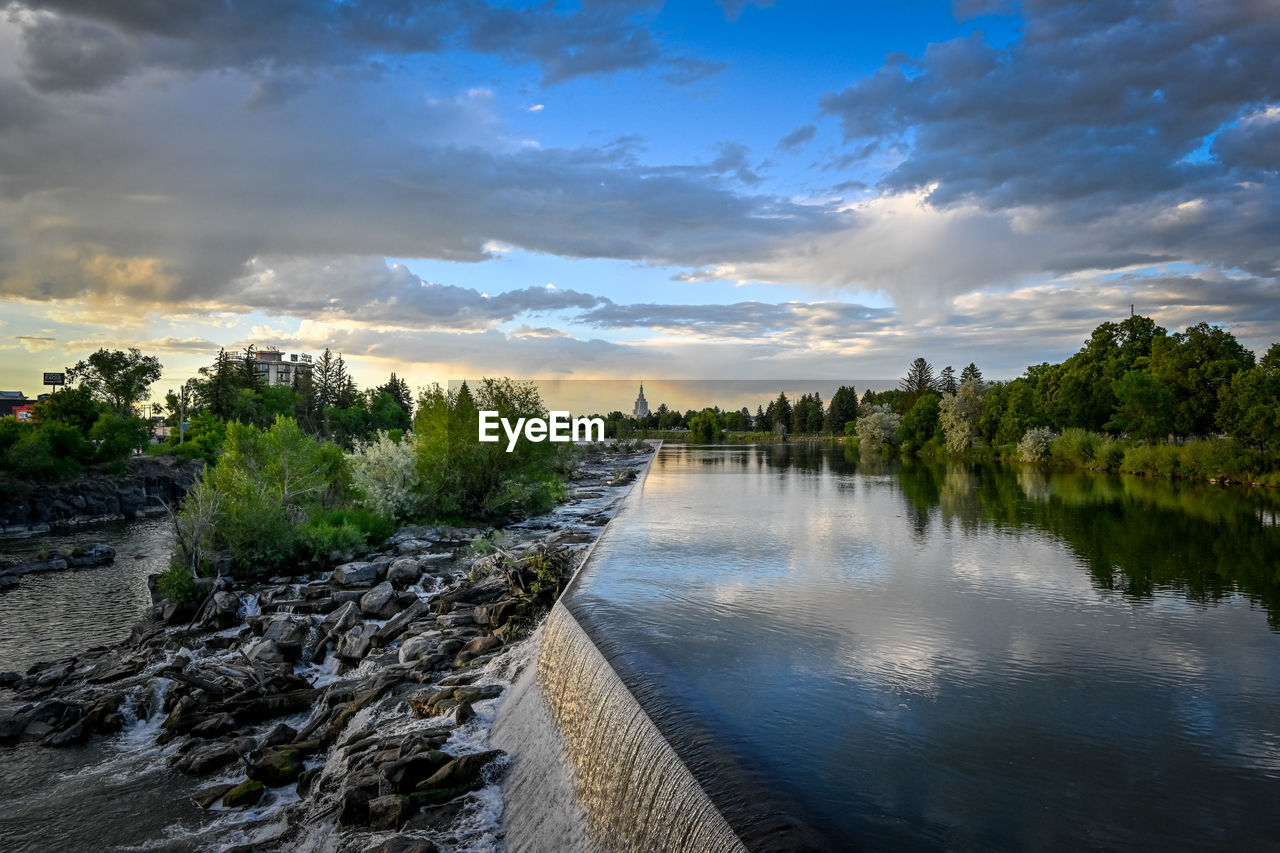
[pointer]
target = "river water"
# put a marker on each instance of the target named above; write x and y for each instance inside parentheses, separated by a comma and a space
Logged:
(924, 657)
(49, 615)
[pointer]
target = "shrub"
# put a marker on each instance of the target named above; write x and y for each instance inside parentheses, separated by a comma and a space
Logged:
(878, 429)
(1075, 446)
(1109, 453)
(1035, 445)
(178, 585)
(385, 470)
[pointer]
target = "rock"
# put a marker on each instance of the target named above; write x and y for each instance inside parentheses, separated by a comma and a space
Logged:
(356, 642)
(12, 726)
(407, 773)
(276, 766)
(380, 602)
(404, 573)
(353, 807)
(396, 624)
(95, 555)
(281, 733)
(225, 610)
(204, 760)
(412, 546)
(476, 648)
(206, 797)
(218, 724)
(269, 652)
(403, 844)
(496, 613)
(463, 771)
(75, 733)
(285, 630)
(341, 619)
(389, 812)
(416, 648)
(247, 793)
(464, 713)
(354, 574)
(456, 619)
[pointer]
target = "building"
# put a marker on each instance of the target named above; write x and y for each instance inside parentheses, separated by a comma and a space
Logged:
(641, 408)
(25, 413)
(278, 368)
(11, 401)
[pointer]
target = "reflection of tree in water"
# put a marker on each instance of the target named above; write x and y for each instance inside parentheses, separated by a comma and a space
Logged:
(1135, 535)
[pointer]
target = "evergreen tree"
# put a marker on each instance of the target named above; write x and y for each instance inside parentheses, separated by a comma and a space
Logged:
(918, 381)
(763, 421)
(843, 409)
(247, 375)
(971, 373)
(324, 378)
(947, 380)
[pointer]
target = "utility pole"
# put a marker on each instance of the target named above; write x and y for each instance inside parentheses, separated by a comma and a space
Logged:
(1130, 310)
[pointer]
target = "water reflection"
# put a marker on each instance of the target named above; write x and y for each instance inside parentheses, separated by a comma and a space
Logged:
(920, 656)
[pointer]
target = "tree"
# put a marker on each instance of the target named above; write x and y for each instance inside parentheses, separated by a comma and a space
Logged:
(399, 392)
(918, 381)
(779, 413)
(921, 423)
(763, 420)
(843, 409)
(947, 381)
(119, 379)
(1144, 406)
(706, 427)
(247, 375)
(1195, 366)
(74, 407)
(878, 429)
(960, 414)
(1249, 407)
(971, 373)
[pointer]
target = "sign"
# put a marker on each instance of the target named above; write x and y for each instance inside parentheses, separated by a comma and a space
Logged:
(55, 379)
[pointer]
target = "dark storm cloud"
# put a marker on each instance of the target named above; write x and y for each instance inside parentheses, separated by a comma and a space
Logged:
(87, 44)
(1101, 100)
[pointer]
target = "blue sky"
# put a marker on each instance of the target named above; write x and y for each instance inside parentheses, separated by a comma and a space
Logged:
(689, 190)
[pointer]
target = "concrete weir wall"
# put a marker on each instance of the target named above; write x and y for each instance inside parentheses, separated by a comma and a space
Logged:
(592, 772)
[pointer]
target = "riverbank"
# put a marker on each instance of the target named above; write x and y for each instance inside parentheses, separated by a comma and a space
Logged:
(343, 711)
(148, 483)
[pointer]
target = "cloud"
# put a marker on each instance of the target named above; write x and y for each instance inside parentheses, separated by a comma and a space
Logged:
(733, 8)
(35, 343)
(798, 138)
(81, 45)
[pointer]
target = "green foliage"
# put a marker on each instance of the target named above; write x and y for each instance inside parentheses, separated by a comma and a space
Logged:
(119, 379)
(1074, 447)
(385, 471)
(343, 531)
(204, 438)
(878, 429)
(178, 585)
(1144, 407)
(116, 436)
(706, 427)
(921, 424)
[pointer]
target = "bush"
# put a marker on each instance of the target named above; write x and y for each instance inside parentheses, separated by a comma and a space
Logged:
(1152, 460)
(1109, 453)
(1036, 445)
(178, 585)
(878, 429)
(385, 470)
(1075, 447)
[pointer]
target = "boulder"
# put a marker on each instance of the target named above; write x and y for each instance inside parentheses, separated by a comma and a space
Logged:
(415, 648)
(245, 794)
(281, 733)
(268, 652)
(94, 555)
(496, 613)
(407, 773)
(204, 760)
(389, 812)
(354, 574)
(276, 766)
(355, 644)
(476, 648)
(206, 797)
(353, 807)
(225, 610)
(404, 572)
(341, 619)
(380, 602)
(405, 844)
(396, 624)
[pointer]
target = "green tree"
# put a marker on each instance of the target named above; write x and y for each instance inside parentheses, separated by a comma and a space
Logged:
(1195, 366)
(1249, 406)
(971, 373)
(918, 382)
(947, 383)
(842, 410)
(920, 424)
(1144, 406)
(119, 379)
(706, 427)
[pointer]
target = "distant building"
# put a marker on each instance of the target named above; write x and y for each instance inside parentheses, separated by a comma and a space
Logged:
(278, 368)
(641, 408)
(25, 413)
(10, 401)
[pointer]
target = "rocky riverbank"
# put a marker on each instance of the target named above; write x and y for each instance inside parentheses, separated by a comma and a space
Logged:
(347, 711)
(149, 482)
(11, 568)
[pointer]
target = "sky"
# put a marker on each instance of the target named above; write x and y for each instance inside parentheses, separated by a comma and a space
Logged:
(631, 189)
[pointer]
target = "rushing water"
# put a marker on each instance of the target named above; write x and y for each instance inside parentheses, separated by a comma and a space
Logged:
(926, 657)
(54, 614)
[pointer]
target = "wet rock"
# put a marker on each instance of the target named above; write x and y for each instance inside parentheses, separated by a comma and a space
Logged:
(404, 573)
(356, 642)
(496, 613)
(341, 619)
(380, 602)
(353, 574)
(12, 725)
(465, 770)
(402, 844)
(464, 713)
(389, 812)
(456, 619)
(245, 794)
(218, 724)
(76, 733)
(397, 624)
(286, 630)
(407, 773)
(281, 733)
(413, 546)
(416, 648)
(268, 652)
(476, 648)
(206, 797)
(202, 761)
(353, 807)
(258, 709)
(276, 766)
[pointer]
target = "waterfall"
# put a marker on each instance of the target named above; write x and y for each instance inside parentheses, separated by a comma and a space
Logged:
(574, 727)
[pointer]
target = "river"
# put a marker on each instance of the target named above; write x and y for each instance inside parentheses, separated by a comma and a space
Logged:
(916, 656)
(49, 615)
